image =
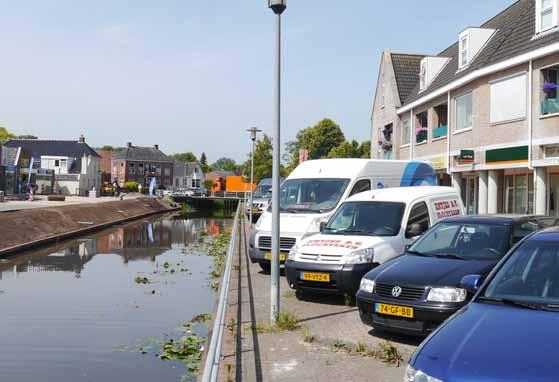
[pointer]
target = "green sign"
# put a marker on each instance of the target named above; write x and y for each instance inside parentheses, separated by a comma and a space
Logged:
(509, 154)
(467, 155)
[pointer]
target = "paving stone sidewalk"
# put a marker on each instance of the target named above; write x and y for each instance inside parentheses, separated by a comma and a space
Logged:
(285, 356)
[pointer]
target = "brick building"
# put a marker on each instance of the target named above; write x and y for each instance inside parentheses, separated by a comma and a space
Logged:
(141, 164)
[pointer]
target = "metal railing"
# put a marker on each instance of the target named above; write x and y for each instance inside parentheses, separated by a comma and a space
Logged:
(211, 368)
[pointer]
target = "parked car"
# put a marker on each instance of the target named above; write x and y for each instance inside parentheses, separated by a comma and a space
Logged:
(508, 332)
(416, 292)
(368, 229)
(260, 203)
(313, 191)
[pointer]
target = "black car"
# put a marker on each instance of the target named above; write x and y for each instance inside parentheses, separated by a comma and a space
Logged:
(414, 293)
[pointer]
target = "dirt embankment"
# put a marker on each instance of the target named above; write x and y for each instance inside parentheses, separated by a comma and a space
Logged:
(24, 229)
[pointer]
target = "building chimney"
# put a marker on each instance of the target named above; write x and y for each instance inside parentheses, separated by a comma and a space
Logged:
(82, 139)
(129, 144)
(156, 146)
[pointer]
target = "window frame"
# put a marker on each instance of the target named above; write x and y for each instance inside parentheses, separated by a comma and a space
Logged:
(540, 10)
(456, 99)
(132, 168)
(524, 93)
(464, 47)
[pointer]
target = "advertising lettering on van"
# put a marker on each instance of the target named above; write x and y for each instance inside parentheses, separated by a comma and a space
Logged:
(447, 208)
(334, 243)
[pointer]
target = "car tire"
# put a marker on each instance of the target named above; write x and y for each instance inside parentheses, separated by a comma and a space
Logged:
(266, 268)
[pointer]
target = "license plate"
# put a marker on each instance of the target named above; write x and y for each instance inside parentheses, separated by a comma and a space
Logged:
(319, 277)
(281, 256)
(255, 210)
(394, 310)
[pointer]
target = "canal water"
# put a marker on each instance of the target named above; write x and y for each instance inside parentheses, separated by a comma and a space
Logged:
(74, 312)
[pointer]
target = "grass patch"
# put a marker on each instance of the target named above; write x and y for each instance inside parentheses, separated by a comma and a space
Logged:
(385, 351)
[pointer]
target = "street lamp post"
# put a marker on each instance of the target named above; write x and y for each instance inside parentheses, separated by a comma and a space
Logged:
(278, 7)
(253, 131)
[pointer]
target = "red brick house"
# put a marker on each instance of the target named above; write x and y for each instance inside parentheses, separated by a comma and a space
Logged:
(140, 164)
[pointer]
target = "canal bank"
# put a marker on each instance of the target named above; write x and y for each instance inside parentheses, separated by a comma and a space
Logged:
(25, 229)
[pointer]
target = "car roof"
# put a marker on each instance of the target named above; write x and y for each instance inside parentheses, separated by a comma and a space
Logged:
(497, 218)
(547, 234)
(402, 194)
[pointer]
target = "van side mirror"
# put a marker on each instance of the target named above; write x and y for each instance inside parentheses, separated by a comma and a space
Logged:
(414, 230)
(322, 225)
(471, 283)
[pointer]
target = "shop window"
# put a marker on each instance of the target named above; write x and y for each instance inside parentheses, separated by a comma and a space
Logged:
(519, 194)
(550, 90)
(421, 129)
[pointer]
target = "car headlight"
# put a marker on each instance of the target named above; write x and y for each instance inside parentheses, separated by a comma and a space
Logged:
(361, 256)
(293, 252)
(413, 375)
(447, 294)
(367, 285)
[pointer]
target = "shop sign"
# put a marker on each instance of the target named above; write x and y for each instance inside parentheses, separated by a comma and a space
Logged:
(438, 163)
(466, 156)
(447, 208)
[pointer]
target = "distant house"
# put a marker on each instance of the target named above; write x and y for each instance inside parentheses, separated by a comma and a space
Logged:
(141, 164)
(188, 175)
(58, 166)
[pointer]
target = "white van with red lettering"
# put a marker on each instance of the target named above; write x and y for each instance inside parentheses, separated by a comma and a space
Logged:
(366, 230)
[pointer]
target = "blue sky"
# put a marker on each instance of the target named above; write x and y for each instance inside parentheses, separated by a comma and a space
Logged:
(193, 75)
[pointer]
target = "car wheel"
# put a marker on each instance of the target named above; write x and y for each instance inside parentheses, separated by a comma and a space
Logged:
(265, 267)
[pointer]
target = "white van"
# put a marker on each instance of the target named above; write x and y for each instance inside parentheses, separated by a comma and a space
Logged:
(315, 188)
(368, 229)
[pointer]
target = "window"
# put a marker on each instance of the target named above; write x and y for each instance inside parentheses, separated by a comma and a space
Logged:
(361, 186)
(463, 112)
(406, 132)
(519, 194)
(419, 214)
(550, 90)
(313, 195)
(132, 168)
(158, 169)
(56, 163)
(167, 171)
(423, 75)
(421, 130)
(552, 152)
(464, 51)
(546, 15)
(63, 163)
(508, 99)
(141, 169)
(177, 182)
(440, 128)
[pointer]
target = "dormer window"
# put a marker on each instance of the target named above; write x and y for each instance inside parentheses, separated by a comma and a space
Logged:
(546, 15)
(464, 51)
(423, 74)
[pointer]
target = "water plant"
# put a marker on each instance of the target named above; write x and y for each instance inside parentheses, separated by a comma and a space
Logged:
(141, 280)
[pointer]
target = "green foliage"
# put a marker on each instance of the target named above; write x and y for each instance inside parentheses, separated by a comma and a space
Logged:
(306, 334)
(5, 135)
(225, 164)
(204, 163)
(346, 150)
(187, 349)
(287, 321)
(365, 149)
(184, 157)
(141, 280)
(208, 184)
(319, 140)
(263, 160)
(131, 186)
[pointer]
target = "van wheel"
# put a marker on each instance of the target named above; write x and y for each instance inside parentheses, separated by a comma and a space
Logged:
(265, 267)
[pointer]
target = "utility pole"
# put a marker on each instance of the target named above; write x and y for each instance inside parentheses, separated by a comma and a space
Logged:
(253, 131)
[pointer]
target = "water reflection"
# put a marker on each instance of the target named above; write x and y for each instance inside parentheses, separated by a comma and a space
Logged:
(132, 242)
(68, 308)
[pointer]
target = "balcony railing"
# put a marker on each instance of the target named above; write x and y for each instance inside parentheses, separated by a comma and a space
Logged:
(441, 131)
(550, 106)
(421, 135)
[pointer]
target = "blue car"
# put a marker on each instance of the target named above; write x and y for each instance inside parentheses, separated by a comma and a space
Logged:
(510, 330)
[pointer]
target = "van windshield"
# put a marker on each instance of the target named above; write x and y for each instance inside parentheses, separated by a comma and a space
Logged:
(311, 195)
(367, 218)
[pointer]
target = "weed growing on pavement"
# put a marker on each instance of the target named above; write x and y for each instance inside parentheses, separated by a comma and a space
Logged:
(289, 294)
(340, 345)
(285, 322)
(232, 327)
(389, 353)
(348, 300)
(307, 336)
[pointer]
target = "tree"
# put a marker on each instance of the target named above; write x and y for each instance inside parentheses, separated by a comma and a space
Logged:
(346, 150)
(5, 135)
(365, 149)
(108, 148)
(319, 140)
(262, 160)
(225, 164)
(204, 163)
(184, 157)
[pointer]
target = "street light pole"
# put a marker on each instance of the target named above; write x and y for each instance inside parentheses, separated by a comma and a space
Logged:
(253, 131)
(278, 7)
